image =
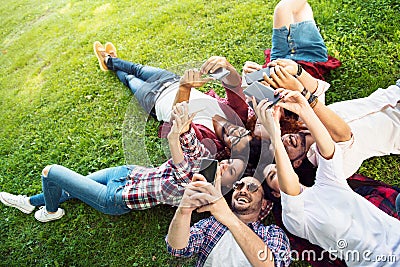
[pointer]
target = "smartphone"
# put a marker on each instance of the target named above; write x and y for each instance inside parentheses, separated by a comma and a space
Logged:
(257, 76)
(208, 168)
(260, 92)
(219, 73)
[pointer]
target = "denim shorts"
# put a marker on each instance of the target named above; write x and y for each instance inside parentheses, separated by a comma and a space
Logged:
(302, 42)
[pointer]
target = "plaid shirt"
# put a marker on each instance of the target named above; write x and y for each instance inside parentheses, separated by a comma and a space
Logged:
(152, 186)
(205, 234)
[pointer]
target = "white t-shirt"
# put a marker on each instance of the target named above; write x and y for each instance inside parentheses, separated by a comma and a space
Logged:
(375, 125)
(331, 215)
(227, 252)
(198, 101)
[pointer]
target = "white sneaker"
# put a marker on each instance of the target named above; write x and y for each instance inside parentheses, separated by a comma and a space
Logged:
(43, 216)
(19, 202)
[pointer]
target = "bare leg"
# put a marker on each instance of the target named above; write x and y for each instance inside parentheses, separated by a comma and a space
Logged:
(291, 11)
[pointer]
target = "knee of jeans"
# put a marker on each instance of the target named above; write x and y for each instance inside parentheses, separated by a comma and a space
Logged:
(46, 170)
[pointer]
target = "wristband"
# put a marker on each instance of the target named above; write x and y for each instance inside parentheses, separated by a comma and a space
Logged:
(313, 100)
(306, 93)
(299, 71)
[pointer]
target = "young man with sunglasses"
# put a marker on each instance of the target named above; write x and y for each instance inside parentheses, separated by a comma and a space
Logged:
(231, 236)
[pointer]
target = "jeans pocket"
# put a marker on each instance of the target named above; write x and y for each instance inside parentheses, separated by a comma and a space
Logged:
(115, 204)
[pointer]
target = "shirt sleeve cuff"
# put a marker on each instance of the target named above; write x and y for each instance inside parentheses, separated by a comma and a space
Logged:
(177, 252)
(321, 89)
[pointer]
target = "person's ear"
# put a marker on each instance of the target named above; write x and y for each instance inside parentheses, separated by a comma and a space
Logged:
(264, 204)
(276, 194)
(297, 163)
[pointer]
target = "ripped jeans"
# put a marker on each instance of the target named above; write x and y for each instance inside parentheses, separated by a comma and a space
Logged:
(102, 190)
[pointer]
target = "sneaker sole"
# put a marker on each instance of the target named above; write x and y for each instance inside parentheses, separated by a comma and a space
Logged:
(14, 206)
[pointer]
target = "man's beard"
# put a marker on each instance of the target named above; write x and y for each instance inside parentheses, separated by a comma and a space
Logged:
(245, 210)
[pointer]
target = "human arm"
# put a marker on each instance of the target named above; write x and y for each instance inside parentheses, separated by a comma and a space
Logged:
(180, 124)
(283, 77)
(191, 79)
(287, 178)
(179, 228)
(235, 97)
(297, 103)
(232, 81)
(250, 243)
(312, 85)
(283, 69)
(338, 129)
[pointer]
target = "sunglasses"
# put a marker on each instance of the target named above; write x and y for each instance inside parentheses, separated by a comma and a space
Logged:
(251, 187)
(236, 139)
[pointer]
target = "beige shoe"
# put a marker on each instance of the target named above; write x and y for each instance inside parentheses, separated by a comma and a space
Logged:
(111, 50)
(100, 54)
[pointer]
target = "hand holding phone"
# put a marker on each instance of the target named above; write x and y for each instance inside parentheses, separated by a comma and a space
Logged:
(220, 73)
(208, 168)
(260, 92)
(257, 76)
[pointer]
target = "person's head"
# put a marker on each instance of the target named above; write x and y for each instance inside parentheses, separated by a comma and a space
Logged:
(231, 170)
(296, 147)
(235, 137)
(271, 177)
(248, 197)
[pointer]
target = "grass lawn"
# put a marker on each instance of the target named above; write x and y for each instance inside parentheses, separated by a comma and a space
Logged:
(56, 106)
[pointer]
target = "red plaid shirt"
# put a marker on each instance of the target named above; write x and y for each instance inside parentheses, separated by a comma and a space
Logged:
(162, 185)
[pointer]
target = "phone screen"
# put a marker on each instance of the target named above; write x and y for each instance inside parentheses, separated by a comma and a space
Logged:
(260, 92)
(257, 76)
(220, 73)
(208, 168)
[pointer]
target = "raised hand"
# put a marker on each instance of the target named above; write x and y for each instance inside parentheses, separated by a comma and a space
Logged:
(293, 101)
(216, 62)
(201, 194)
(251, 66)
(289, 65)
(192, 78)
(268, 117)
(180, 119)
(281, 78)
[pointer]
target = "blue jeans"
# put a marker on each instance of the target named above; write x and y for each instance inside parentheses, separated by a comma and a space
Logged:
(302, 41)
(145, 82)
(398, 204)
(102, 190)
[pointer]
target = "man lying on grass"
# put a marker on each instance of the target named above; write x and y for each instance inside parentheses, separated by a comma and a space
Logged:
(230, 237)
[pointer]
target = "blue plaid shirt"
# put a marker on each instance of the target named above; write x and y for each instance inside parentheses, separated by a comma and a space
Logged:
(205, 234)
(149, 187)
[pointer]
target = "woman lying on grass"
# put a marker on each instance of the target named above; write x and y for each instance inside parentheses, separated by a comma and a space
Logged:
(118, 190)
(329, 213)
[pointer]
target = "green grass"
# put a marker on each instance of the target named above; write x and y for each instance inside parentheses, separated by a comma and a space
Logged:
(58, 107)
